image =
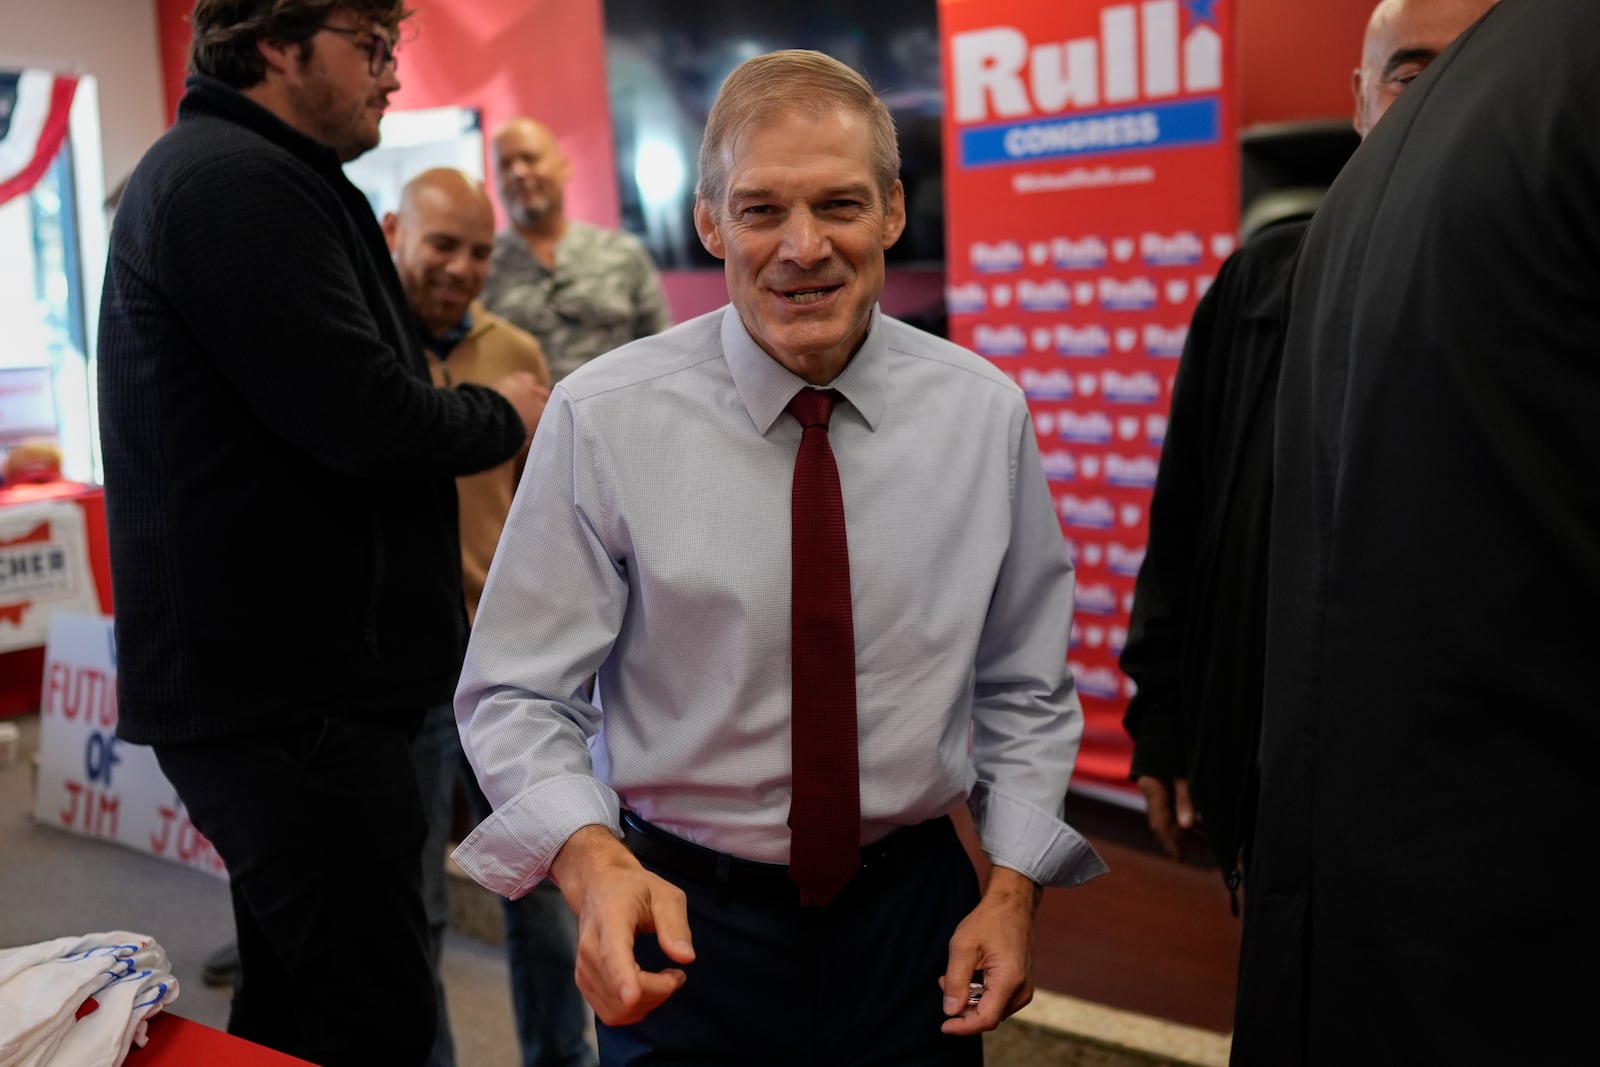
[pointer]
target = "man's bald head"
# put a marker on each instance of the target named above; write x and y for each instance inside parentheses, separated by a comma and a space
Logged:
(444, 188)
(521, 126)
(1403, 37)
(531, 174)
(441, 236)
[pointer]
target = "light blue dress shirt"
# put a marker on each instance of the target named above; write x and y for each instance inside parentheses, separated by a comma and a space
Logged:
(649, 542)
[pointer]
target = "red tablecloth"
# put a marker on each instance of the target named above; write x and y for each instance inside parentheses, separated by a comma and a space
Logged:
(22, 670)
(179, 1042)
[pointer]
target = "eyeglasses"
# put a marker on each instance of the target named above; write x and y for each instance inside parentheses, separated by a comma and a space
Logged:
(379, 50)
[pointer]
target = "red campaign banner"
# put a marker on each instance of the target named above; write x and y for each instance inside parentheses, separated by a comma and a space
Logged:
(1091, 193)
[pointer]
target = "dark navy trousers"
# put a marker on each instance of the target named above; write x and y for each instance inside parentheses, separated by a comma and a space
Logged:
(852, 984)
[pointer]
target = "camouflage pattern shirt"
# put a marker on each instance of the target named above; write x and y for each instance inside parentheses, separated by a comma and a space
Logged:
(603, 293)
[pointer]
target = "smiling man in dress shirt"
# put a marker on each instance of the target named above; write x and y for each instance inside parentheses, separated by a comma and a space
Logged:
(652, 544)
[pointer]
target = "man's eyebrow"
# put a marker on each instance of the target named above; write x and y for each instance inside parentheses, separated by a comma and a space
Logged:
(1409, 55)
(857, 189)
(833, 191)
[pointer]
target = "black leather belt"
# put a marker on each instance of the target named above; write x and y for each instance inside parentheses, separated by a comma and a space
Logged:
(685, 859)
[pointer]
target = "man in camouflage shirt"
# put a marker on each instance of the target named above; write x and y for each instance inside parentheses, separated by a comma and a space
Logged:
(580, 289)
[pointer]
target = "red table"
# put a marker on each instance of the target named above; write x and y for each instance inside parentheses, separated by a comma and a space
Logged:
(22, 670)
(179, 1042)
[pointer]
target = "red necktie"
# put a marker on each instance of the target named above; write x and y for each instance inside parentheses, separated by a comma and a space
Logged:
(825, 813)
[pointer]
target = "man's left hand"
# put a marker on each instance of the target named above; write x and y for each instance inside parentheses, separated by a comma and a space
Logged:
(997, 939)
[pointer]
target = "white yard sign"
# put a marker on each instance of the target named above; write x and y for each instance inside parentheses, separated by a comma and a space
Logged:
(90, 782)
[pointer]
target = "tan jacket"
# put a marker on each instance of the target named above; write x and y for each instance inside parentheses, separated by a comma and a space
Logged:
(492, 349)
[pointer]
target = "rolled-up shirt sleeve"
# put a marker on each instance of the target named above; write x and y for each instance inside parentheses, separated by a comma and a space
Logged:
(1026, 718)
(550, 611)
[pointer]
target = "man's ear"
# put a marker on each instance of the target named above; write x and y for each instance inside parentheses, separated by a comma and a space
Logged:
(1358, 120)
(391, 230)
(894, 218)
(705, 224)
(279, 56)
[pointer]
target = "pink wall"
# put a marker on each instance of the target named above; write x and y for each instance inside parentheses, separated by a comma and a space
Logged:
(546, 58)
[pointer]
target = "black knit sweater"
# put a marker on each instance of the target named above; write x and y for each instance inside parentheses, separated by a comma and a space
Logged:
(279, 470)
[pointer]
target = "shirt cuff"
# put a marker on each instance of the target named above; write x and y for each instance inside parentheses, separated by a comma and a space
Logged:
(511, 851)
(1017, 835)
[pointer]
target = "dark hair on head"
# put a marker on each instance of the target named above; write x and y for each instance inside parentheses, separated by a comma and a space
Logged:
(798, 80)
(226, 31)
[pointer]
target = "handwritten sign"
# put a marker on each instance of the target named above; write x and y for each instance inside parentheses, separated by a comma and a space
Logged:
(90, 782)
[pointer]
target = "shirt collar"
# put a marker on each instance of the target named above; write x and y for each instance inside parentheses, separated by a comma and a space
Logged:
(205, 95)
(442, 345)
(767, 386)
(511, 244)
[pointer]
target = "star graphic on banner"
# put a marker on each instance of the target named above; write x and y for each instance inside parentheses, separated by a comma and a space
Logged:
(1201, 11)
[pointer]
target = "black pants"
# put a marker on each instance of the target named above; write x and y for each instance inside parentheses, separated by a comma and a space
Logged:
(852, 984)
(321, 827)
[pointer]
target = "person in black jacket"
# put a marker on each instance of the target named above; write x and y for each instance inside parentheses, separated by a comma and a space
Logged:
(1419, 890)
(281, 506)
(1197, 632)
(1194, 639)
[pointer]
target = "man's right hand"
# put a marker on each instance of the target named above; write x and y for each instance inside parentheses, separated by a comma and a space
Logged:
(1171, 813)
(616, 899)
(526, 394)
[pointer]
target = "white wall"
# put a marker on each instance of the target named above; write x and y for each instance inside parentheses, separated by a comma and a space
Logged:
(114, 40)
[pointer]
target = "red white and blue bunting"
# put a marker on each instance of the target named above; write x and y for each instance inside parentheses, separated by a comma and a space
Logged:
(34, 105)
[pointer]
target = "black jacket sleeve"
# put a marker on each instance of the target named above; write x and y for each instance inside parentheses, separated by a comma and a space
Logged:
(272, 291)
(1153, 655)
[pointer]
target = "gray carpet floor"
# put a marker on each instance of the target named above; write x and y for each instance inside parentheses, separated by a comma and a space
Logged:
(54, 884)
